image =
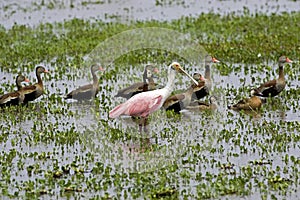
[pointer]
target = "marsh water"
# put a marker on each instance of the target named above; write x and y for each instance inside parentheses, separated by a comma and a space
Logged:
(51, 133)
(34, 12)
(168, 139)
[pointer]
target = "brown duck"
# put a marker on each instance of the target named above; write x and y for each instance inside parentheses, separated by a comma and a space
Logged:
(252, 103)
(204, 91)
(147, 84)
(273, 87)
(202, 106)
(87, 91)
(33, 92)
(14, 98)
(180, 101)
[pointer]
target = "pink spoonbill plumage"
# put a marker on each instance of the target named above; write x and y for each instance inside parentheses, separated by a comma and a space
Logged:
(145, 103)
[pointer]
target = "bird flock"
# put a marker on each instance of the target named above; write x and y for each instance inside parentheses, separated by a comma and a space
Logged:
(144, 98)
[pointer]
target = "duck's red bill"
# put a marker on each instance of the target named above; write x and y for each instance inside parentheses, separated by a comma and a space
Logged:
(288, 60)
(215, 60)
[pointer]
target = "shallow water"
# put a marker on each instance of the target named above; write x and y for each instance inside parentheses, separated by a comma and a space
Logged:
(32, 13)
(224, 136)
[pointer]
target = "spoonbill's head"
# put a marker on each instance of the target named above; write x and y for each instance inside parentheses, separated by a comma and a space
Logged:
(176, 66)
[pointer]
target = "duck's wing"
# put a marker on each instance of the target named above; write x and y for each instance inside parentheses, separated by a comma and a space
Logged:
(83, 92)
(9, 97)
(173, 99)
(132, 89)
(28, 89)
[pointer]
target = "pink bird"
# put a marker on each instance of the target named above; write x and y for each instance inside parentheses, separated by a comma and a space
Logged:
(145, 103)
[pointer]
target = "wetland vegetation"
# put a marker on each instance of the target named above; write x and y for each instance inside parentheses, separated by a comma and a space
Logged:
(55, 149)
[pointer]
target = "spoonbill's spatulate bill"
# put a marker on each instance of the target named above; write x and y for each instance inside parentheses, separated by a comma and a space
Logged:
(145, 103)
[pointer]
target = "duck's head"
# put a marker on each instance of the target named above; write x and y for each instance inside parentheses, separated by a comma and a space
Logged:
(150, 71)
(96, 67)
(21, 78)
(283, 59)
(41, 69)
(209, 59)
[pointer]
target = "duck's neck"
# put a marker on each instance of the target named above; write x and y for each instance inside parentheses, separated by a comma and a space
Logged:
(281, 72)
(190, 90)
(171, 80)
(19, 84)
(145, 78)
(150, 80)
(207, 71)
(95, 78)
(38, 77)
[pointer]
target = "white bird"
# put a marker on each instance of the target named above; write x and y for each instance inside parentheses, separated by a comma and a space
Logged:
(145, 103)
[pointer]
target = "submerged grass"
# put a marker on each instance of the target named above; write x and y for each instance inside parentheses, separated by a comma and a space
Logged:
(43, 149)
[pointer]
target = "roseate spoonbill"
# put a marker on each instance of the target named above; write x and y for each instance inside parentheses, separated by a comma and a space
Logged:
(145, 103)
(204, 91)
(33, 92)
(147, 84)
(87, 91)
(180, 101)
(17, 97)
(273, 87)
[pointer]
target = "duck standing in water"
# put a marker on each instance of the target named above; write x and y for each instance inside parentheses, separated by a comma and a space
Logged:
(252, 103)
(274, 87)
(204, 91)
(33, 92)
(147, 84)
(17, 97)
(89, 91)
(145, 103)
(180, 101)
(202, 106)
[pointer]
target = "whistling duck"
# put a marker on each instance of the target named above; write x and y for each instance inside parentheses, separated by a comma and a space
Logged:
(33, 92)
(197, 105)
(204, 91)
(273, 87)
(145, 103)
(87, 91)
(14, 98)
(252, 103)
(147, 84)
(178, 102)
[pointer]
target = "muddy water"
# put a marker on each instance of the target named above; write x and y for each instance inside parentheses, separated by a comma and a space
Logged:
(32, 13)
